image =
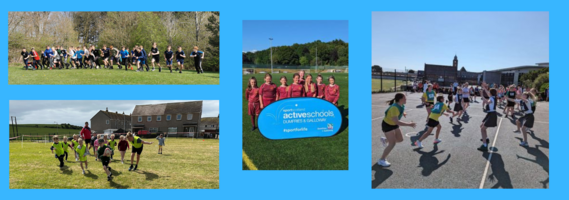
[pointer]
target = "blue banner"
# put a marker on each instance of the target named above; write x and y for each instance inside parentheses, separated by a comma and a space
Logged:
(299, 118)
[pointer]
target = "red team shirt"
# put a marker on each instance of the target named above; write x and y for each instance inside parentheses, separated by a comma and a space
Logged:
(253, 98)
(332, 93)
(311, 90)
(301, 81)
(296, 90)
(320, 90)
(269, 93)
(282, 92)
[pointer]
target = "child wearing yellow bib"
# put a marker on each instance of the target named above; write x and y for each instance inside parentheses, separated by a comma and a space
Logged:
(137, 146)
(82, 153)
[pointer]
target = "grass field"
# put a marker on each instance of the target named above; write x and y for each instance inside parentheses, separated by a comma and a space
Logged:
(185, 163)
(17, 75)
(30, 129)
(299, 154)
(387, 84)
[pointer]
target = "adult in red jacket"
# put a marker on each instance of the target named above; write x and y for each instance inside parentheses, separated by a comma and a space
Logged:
(86, 135)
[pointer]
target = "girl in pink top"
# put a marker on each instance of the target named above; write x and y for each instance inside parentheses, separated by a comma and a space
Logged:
(96, 144)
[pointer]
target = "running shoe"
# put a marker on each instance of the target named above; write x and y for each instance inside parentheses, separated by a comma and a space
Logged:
(450, 119)
(517, 131)
(483, 148)
(152, 69)
(524, 144)
(383, 163)
(83, 172)
(418, 144)
(384, 141)
(437, 141)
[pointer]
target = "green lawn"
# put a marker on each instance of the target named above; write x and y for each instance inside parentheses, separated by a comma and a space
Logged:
(51, 129)
(387, 84)
(298, 154)
(17, 75)
(185, 163)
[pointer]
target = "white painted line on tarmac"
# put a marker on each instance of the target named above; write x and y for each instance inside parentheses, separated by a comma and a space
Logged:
(490, 156)
(376, 118)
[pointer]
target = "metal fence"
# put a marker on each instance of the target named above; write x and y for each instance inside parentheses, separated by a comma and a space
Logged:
(263, 68)
(392, 80)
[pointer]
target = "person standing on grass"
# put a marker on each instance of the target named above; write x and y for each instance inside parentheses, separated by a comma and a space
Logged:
(390, 126)
(198, 57)
(75, 142)
(44, 60)
(133, 58)
(115, 55)
(25, 56)
(428, 100)
(112, 143)
(105, 158)
(58, 147)
(73, 58)
(253, 105)
(49, 57)
(82, 151)
(438, 109)
(528, 118)
(137, 146)
(309, 87)
(160, 139)
(296, 89)
(124, 58)
(282, 90)
(145, 57)
(96, 145)
(168, 56)
(35, 58)
(86, 133)
(321, 87)
(155, 57)
(123, 146)
(180, 56)
(491, 119)
(332, 91)
(268, 91)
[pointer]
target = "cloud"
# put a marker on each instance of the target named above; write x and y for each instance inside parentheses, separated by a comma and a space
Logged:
(77, 112)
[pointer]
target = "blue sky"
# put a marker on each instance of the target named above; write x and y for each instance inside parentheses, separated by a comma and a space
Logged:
(256, 33)
(481, 40)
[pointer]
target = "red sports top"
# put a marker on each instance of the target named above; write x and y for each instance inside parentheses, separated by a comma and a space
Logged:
(252, 95)
(296, 90)
(310, 90)
(282, 92)
(268, 91)
(321, 90)
(332, 93)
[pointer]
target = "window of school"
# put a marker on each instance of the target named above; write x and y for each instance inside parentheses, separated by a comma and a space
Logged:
(190, 116)
(153, 130)
(139, 118)
(149, 118)
(179, 117)
(168, 117)
(172, 130)
(158, 118)
(107, 121)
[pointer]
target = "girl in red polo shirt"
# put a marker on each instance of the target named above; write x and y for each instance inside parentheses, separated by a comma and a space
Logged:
(268, 91)
(252, 95)
(282, 91)
(296, 89)
(332, 91)
(310, 87)
(321, 87)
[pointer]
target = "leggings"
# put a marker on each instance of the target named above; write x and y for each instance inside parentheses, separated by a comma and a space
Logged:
(65, 155)
(60, 158)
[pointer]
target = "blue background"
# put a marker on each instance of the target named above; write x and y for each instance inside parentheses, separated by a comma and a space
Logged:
(235, 183)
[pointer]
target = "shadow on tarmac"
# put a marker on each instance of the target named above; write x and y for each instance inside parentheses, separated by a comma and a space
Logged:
(499, 173)
(429, 162)
(381, 174)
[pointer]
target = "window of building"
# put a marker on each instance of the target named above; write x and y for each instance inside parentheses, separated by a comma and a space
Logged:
(172, 130)
(107, 121)
(149, 118)
(168, 117)
(158, 118)
(179, 117)
(190, 116)
(139, 118)
(153, 130)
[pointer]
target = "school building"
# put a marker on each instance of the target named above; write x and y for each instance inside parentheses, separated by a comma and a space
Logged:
(180, 118)
(446, 75)
(108, 122)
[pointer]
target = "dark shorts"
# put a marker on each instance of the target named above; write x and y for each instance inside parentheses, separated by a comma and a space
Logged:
(386, 127)
(137, 150)
(491, 119)
(156, 58)
(511, 104)
(168, 62)
(181, 61)
(88, 141)
(527, 120)
(533, 109)
(432, 123)
(466, 100)
(142, 60)
(427, 104)
(105, 163)
(457, 107)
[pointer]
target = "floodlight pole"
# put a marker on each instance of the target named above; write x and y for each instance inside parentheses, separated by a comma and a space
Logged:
(316, 58)
(57, 127)
(271, 47)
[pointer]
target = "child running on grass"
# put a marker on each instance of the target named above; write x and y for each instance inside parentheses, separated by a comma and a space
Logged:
(390, 126)
(112, 143)
(66, 147)
(82, 150)
(123, 146)
(96, 145)
(137, 146)
(58, 147)
(105, 156)
(438, 109)
(75, 143)
(160, 139)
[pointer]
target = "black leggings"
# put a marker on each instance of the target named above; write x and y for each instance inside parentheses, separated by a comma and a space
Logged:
(60, 158)
(65, 155)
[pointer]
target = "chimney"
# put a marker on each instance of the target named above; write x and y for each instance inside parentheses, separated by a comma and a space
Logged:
(117, 112)
(107, 109)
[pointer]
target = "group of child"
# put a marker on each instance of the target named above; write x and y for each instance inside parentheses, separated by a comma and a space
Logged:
(260, 97)
(92, 57)
(103, 148)
(435, 107)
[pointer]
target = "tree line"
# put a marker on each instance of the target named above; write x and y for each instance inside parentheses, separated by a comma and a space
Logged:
(333, 53)
(185, 29)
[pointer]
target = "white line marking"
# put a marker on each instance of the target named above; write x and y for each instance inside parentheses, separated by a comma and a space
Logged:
(376, 118)
(490, 156)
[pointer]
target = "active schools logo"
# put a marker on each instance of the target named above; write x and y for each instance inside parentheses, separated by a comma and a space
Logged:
(299, 118)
